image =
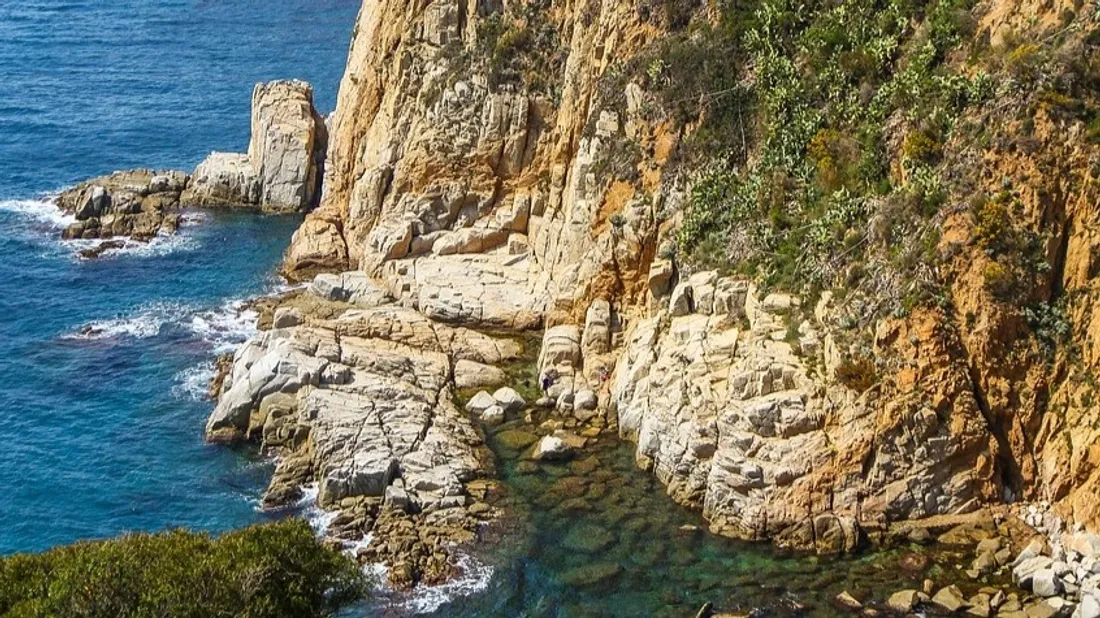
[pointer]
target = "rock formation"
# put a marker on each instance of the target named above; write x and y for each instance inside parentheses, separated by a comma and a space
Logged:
(482, 199)
(281, 173)
(137, 203)
(362, 406)
(285, 162)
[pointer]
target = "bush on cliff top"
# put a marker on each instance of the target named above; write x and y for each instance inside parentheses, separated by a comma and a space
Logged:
(274, 570)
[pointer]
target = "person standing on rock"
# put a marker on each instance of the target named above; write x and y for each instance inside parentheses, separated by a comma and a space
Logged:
(547, 382)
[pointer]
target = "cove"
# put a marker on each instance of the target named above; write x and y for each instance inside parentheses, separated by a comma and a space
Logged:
(596, 536)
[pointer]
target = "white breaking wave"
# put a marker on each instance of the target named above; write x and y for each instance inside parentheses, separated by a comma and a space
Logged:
(194, 382)
(144, 323)
(41, 210)
(161, 244)
(474, 576)
(225, 327)
(51, 220)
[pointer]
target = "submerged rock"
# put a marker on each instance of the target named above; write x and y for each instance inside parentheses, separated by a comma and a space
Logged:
(588, 538)
(101, 248)
(591, 574)
(552, 448)
(516, 439)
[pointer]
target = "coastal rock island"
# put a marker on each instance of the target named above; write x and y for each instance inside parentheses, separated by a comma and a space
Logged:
(281, 173)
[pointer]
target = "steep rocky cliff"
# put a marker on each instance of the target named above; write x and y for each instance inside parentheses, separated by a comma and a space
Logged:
(830, 265)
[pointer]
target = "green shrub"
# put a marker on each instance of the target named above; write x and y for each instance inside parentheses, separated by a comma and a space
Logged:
(992, 226)
(920, 146)
(278, 570)
(1092, 133)
(999, 280)
(814, 88)
(858, 374)
(521, 48)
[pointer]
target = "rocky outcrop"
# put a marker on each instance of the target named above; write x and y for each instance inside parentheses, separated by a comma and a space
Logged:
(361, 405)
(484, 204)
(476, 199)
(734, 407)
(282, 172)
(284, 166)
(136, 203)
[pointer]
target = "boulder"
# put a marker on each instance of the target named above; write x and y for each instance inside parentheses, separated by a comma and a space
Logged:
(469, 374)
(493, 415)
(1033, 549)
(979, 606)
(1045, 583)
(509, 399)
(585, 400)
(1089, 607)
(1084, 543)
(286, 317)
(847, 601)
(950, 599)
(904, 601)
(224, 179)
(1025, 570)
(480, 402)
(681, 302)
(552, 448)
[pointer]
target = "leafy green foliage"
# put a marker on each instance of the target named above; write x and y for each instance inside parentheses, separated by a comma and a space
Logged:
(814, 88)
(522, 47)
(279, 570)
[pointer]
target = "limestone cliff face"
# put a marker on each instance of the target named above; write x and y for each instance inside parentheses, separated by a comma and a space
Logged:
(427, 159)
(512, 205)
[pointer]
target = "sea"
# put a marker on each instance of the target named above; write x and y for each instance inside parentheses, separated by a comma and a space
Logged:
(105, 363)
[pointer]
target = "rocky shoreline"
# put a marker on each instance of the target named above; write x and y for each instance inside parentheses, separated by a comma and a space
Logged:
(387, 412)
(460, 214)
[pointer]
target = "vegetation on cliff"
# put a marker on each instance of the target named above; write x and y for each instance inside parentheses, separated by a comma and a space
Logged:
(274, 570)
(819, 135)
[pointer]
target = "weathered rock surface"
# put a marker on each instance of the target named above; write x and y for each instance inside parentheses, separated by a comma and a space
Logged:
(510, 208)
(282, 172)
(136, 203)
(362, 406)
(283, 168)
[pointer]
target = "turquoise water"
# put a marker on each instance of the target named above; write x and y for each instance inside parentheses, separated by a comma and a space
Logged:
(101, 432)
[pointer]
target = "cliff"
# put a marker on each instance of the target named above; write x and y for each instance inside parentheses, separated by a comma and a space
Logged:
(829, 266)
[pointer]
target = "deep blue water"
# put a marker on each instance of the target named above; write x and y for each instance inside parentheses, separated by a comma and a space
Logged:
(102, 434)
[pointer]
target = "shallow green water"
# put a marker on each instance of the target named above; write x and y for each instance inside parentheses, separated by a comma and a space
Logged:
(599, 537)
